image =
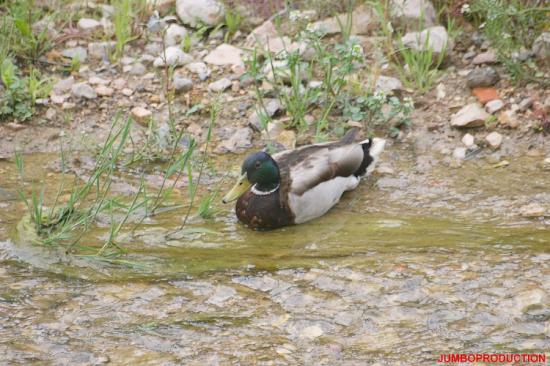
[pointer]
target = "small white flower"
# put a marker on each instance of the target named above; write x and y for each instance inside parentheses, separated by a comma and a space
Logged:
(357, 51)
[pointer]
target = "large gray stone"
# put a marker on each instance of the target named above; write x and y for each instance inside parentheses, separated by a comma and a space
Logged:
(434, 38)
(411, 14)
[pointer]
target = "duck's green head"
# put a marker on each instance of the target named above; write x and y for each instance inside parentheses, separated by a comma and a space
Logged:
(258, 169)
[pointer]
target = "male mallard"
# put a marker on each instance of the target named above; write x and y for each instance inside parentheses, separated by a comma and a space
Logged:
(295, 186)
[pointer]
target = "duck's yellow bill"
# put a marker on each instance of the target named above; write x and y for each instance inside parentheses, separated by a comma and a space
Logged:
(238, 189)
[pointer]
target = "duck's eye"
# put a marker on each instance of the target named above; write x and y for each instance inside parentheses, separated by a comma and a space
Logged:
(257, 164)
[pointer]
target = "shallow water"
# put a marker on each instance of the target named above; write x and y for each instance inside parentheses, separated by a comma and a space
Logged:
(365, 284)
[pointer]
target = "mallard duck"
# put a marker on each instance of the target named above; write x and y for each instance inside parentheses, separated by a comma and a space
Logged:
(295, 186)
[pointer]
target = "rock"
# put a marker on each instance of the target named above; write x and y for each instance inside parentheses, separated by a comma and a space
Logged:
(468, 140)
(488, 57)
(261, 35)
(438, 40)
(459, 153)
(196, 12)
(407, 14)
(68, 106)
(119, 83)
(83, 90)
(272, 106)
(279, 69)
(141, 115)
(311, 332)
(494, 139)
(494, 106)
(96, 80)
(440, 91)
(533, 210)
(162, 6)
(237, 143)
(175, 34)
(200, 69)
(104, 91)
(127, 92)
(88, 24)
(546, 164)
(485, 95)
(138, 69)
(78, 53)
(472, 115)
(182, 84)
(541, 46)
(221, 295)
(219, 85)
(508, 118)
(173, 56)
(50, 114)
(525, 104)
(58, 99)
(483, 77)
(387, 84)
(225, 55)
(363, 22)
(101, 50)
(63, 85)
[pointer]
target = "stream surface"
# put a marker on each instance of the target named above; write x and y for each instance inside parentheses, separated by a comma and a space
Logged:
(394, 275)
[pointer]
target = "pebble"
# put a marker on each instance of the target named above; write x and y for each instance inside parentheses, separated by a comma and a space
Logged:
(104, 91)
(494, 106)
(541, 46)
(459, 153)
(96, 80)
(127, 92)
(272, 106)
(387, 84)
(509, 119)
(468, 140)
(119, 83)
(488, 57)
(174, 57)
(101, 50)
(138, 69)
(200, 69)
(175, 34)
(225, 55)
(199, 12)
(434, 38)
(78, 53)
(182, 84)
(83, 90)
(88, 24)
(482, 77)
(63, 85)
(141, 115)
(311, 332)
(471, 115)
(546, 164)
(240, 141)
(525, 104)
(494, 139)
(485, 95)
(219, 85)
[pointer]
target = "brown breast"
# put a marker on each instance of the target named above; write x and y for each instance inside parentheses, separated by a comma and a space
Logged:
(263, 212)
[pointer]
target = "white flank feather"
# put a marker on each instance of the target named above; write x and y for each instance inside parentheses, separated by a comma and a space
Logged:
(318, 200)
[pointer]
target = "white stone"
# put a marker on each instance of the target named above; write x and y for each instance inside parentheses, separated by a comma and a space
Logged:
(225, 55)
(311, 332)
(472, 115)
(494, 139)
(175, 34)
(434, 38)
(468, 140)
(174, 56)
(199, 68)
(219, 85)
(196, 12)
(88, 24)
